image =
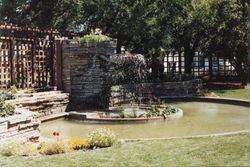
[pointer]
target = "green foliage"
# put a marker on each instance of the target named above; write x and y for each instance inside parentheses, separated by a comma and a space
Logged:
(230, 35)
(161, 110)
(6, 109)
(93, 38)
(6, 94)
(216, 27)
(102, 137)
(129, 69)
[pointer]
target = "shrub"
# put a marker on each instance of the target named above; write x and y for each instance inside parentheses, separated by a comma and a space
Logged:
(10, 149)
(161, 110)
(6, 109)
(56, 147)
(78, 144)
(18, 148)
(93, 38)
(6, 95)
(169, 110)
(102, 137)
(13, 90)
(129, 69)
(28, 149)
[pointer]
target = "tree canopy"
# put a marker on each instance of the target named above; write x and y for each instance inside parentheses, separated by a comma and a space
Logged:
(217, 27)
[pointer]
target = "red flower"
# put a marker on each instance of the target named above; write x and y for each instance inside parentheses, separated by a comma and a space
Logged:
(56, 134)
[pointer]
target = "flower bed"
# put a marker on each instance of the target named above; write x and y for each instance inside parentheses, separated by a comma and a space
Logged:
(99, 138)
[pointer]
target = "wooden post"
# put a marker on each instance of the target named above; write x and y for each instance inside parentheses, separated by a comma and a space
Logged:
(210, 65)
(59, 65)
(51, 59)
(179, 54)
(12, 74)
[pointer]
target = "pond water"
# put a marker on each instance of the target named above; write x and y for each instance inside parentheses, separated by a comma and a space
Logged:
(198, 119)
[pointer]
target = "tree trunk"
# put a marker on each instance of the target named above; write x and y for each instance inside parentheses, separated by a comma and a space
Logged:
(155, 68)
(118, 46)
(188, 54)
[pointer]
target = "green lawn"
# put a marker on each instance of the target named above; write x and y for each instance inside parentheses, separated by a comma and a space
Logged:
(233, 150)
(234, 93)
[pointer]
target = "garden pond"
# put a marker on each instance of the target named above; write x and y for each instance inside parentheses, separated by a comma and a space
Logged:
(200, 118)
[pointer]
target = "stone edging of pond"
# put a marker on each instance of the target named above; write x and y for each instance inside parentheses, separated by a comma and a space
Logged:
(191, 137)
(241, 102)
(83, 117)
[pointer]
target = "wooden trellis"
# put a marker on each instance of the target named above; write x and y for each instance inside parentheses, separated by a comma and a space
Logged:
(27, 57)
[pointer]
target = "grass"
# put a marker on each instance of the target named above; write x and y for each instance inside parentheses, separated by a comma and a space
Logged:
(233, 150)
(234, 93)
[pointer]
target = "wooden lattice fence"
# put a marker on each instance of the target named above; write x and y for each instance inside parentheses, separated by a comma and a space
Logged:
(27, 57)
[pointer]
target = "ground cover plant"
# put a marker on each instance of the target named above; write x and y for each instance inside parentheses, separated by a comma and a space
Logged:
(6, 109)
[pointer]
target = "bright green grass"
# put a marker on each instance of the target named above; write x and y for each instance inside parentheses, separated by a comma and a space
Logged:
(234, 93)
(233, 150)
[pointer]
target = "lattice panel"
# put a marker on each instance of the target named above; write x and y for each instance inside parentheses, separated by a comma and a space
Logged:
(43, 63)
(200, 64)
(26, 56)
(5, 75)
(175, 63)
(23, 64)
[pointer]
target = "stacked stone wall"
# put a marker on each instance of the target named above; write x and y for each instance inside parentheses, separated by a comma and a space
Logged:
(43, 103)
(125, 93)
(20, 127)
(85, 73)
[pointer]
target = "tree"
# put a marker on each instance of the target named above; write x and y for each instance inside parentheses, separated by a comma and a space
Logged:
(11, 10)
(230, 38)
(45, 14)
(191, 28)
